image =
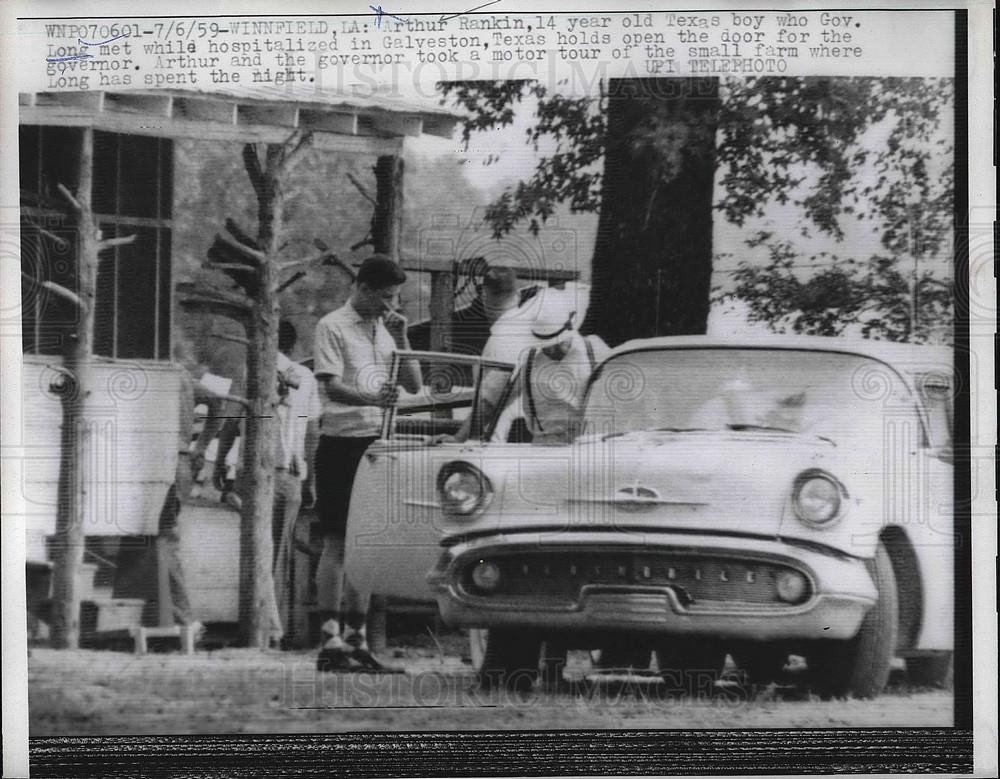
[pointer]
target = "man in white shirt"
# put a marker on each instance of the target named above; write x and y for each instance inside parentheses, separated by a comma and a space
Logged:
(555, 365)
(555, 371)
(510, 337)
(353, 354)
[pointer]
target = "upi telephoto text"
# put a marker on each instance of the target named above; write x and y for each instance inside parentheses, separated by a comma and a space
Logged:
(193, 52)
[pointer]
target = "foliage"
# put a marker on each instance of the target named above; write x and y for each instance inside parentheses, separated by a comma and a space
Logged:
(874, 296)
(797, 141)
(569, 174)
(802, 140)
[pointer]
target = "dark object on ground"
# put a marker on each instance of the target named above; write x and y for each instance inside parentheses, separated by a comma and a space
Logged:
(333, 660)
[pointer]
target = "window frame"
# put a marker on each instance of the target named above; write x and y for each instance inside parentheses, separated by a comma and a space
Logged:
(161, 225)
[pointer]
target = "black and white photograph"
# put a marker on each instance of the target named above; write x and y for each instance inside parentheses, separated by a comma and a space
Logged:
(514, 400)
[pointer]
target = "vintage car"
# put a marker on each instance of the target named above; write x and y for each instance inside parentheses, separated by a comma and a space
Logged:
(756, 498)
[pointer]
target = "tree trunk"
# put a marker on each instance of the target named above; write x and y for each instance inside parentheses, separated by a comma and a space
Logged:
(652, 263)
(388, 217)
(260, 429)
(76, 460)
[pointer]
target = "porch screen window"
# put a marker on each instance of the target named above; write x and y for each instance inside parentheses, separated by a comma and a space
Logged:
(132, 195)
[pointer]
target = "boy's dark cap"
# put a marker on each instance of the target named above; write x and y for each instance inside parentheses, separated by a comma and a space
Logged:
(380, 271)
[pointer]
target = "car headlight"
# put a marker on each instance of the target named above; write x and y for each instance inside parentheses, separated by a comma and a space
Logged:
(486, 575)
(463, 488)
(816, 498)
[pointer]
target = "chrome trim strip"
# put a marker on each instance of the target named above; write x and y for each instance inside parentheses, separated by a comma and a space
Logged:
(637, 501)
(427, 504)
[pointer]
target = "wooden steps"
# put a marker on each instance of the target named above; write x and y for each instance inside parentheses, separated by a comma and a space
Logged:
(185, 633)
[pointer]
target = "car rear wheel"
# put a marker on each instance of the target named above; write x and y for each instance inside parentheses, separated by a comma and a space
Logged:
(929, 671)
(860, 666)
(506, 659)
(690, 667)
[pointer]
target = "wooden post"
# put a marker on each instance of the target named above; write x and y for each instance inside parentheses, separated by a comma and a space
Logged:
(442, 304)
(79, 427)
(75, 466)
(441, 309)
(164, 598)
(257, 474)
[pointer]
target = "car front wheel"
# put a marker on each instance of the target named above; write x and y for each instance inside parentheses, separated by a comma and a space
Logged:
(506, 659)
(860, 666)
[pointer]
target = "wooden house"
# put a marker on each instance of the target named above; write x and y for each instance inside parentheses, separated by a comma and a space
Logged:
(137, 187)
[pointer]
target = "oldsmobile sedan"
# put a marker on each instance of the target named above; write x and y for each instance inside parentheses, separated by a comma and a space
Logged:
(756, 499)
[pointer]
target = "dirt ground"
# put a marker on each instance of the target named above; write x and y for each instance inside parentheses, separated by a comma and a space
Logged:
(251, 691)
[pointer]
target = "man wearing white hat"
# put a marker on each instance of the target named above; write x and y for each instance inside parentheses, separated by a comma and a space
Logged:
(554, 373)
(555, 361)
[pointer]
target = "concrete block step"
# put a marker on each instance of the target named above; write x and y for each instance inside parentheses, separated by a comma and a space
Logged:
(186, 634)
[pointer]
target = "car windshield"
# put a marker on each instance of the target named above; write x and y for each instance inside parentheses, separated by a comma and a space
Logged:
(822, 393)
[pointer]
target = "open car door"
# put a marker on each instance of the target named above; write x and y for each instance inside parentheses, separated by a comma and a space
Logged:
(395, 522)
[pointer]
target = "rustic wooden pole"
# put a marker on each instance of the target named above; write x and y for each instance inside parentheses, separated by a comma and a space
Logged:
(260, 429)
(441, 308)
(80, 425)
(76, 460)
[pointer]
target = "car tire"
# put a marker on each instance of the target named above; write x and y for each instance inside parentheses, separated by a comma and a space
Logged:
(762, 663)
(859, 667)
(690, 667)
(930, 671)
(510, 659)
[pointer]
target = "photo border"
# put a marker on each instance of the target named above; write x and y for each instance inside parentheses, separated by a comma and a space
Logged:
(504, 753)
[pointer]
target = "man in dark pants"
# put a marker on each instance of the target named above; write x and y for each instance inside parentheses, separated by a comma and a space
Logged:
(353, 354)
(190, 456)
(298, 418)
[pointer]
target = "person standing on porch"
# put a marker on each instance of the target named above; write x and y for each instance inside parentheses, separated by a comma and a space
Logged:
(353, 355)
(298, 418)
(190, 455)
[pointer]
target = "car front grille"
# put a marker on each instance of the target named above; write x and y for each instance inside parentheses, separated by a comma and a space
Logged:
(559, 578)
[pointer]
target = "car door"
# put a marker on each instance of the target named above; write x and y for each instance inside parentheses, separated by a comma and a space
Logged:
(395, 522)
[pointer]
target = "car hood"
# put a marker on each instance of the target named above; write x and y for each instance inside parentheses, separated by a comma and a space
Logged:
(715, 481)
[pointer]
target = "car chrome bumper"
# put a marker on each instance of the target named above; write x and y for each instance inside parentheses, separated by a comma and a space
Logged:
(841, 590)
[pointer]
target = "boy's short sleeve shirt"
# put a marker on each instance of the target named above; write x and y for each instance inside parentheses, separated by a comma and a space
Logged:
(359, 352)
